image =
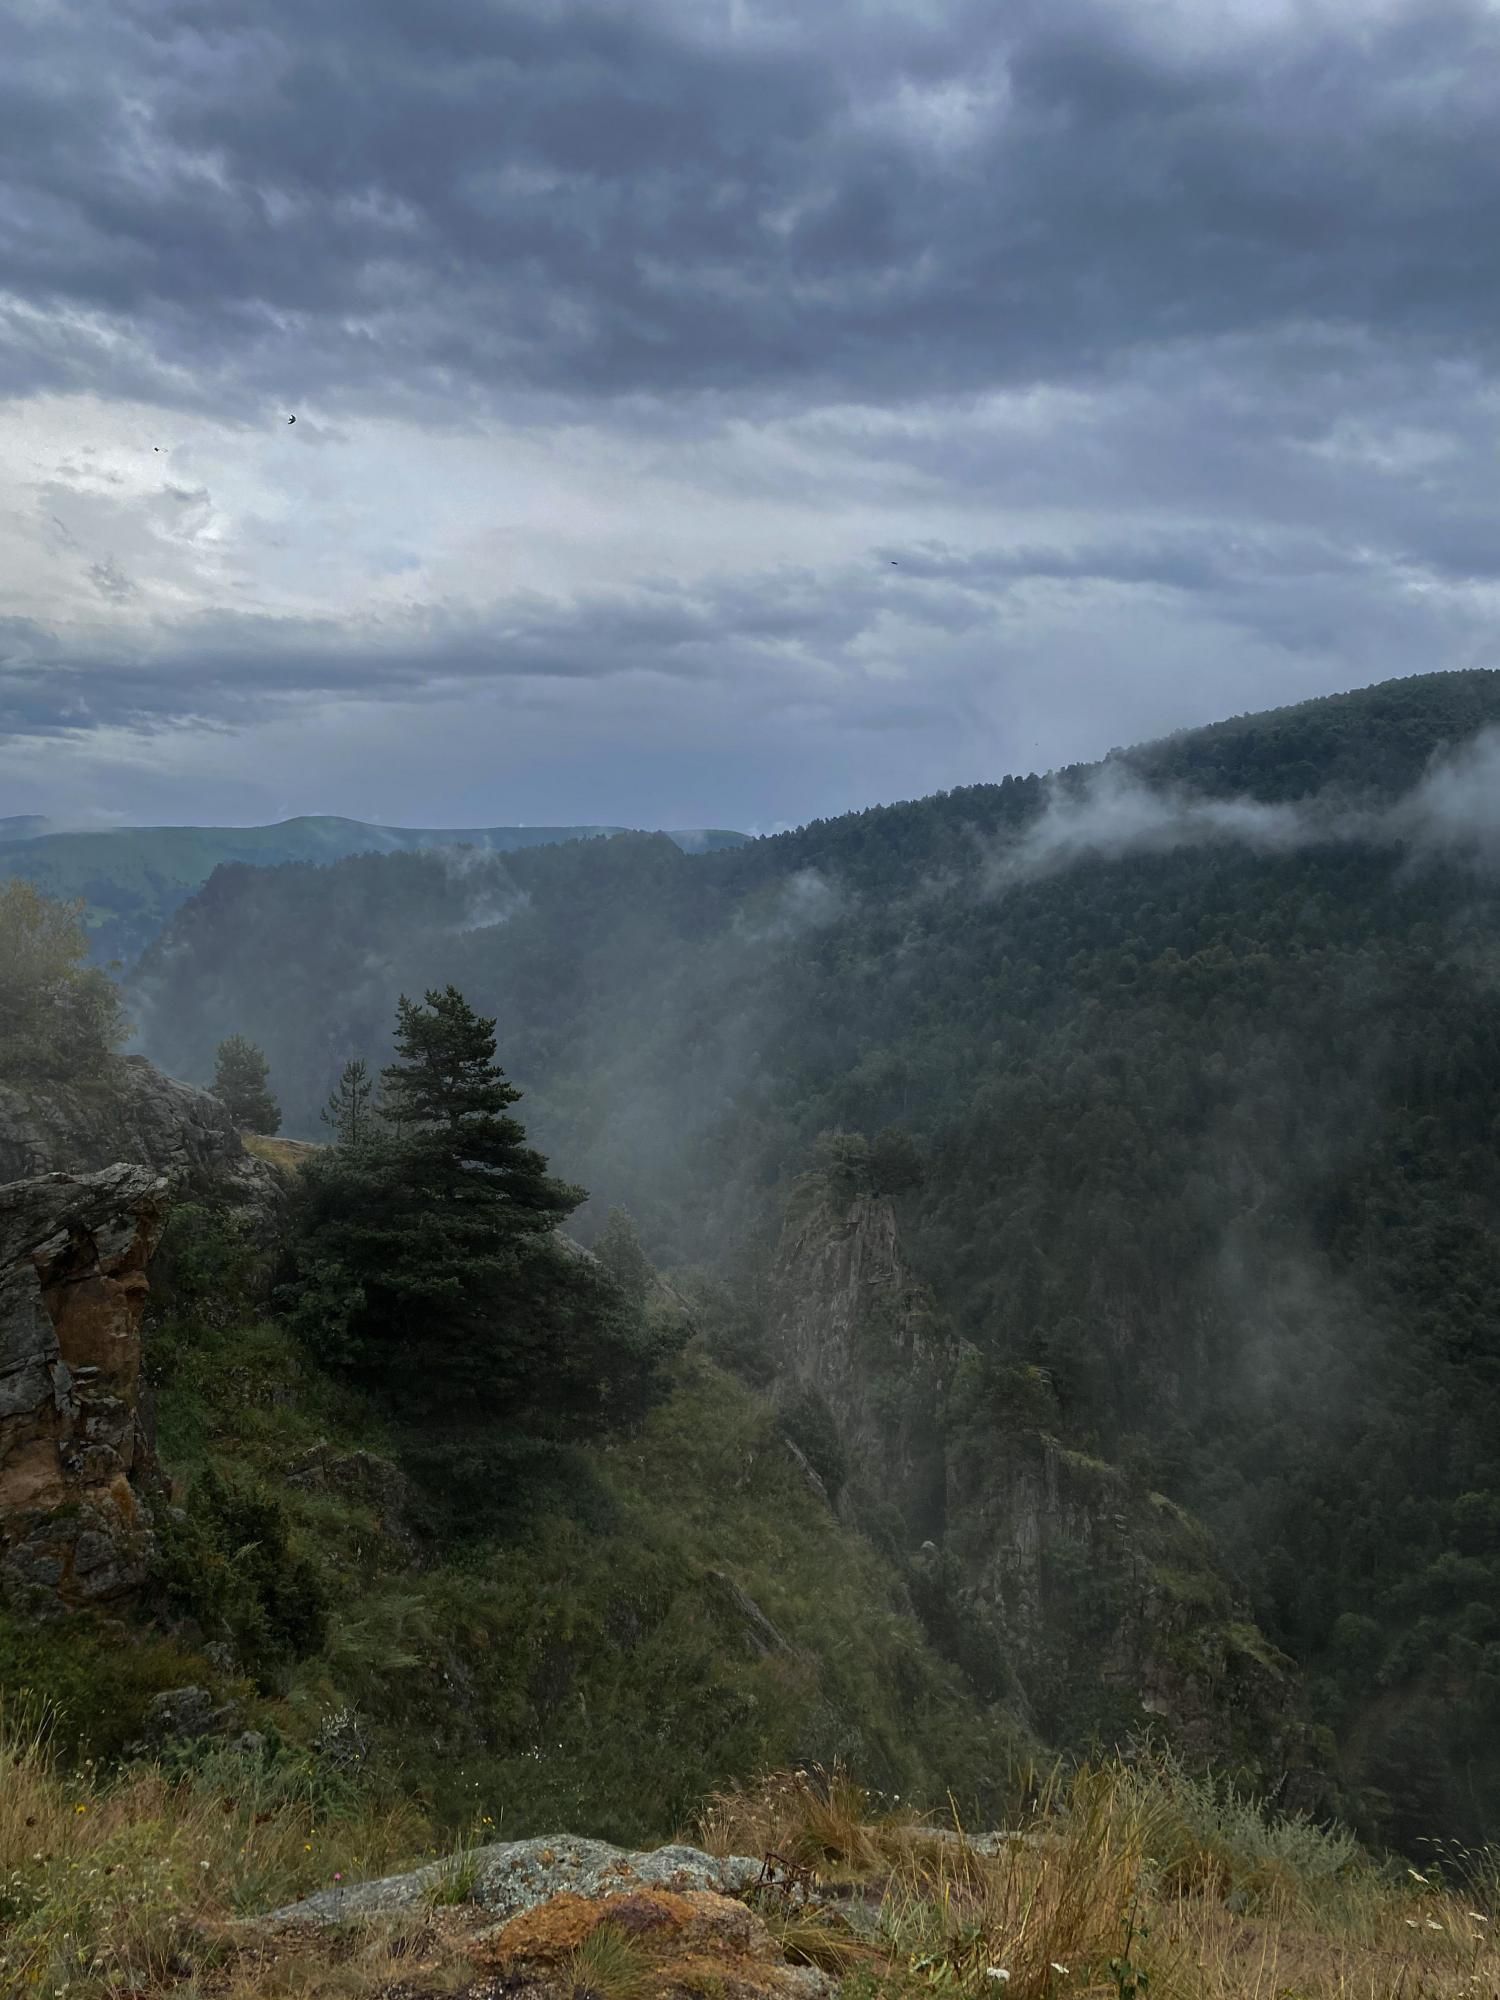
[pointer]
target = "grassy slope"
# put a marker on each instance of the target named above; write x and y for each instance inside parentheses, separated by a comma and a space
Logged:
(598, 1668)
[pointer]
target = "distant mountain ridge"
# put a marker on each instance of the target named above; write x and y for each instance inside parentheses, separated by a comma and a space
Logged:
(133, 879)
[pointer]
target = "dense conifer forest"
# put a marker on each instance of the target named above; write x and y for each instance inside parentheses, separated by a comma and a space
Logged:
(1197, 1055)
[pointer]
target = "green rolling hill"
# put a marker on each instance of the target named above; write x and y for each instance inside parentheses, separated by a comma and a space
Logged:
(133, 879)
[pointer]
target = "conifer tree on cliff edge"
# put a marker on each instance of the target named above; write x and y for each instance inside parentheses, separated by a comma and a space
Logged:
(242, 1082)
(430, 1270)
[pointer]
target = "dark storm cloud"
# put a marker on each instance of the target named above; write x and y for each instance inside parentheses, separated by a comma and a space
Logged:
(480, 197)
(224, 669)
(935, 385)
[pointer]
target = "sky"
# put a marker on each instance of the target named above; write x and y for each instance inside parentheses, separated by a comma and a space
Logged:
(724, 412)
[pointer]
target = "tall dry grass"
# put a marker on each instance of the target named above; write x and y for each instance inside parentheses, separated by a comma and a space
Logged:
(1122, 1882)
(1135, 1881)
(124, 1884)
(815, 1819)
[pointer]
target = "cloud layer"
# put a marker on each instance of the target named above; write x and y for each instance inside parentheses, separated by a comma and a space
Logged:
(773, 406)
(1452, 812)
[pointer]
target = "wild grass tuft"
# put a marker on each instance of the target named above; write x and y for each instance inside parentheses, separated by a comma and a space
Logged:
(1123, 1880)
(458, 1873)
(608, 1965)
(1211, 1835)
(813, 1818)
(124, 1883)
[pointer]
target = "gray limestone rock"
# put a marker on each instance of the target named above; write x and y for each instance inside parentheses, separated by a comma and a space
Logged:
(184, 1714)
(132, 1112)
(515, 1875)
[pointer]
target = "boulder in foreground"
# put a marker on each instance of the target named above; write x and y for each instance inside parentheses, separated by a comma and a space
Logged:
(510, 1877)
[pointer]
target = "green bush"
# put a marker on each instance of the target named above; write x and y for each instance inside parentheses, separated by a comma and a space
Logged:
(808, 1422)
(205, 1264)
(97, 1679)
(227, 1561)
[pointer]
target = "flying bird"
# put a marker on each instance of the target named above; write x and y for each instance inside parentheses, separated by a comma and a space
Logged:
(291, 420)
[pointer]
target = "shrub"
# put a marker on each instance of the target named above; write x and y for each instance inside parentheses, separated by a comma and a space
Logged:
(228, 1561)
(204, 1264)
(808, 1422)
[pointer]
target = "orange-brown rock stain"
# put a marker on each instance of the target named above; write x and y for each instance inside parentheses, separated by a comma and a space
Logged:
(75, 1451)
(691, 1943)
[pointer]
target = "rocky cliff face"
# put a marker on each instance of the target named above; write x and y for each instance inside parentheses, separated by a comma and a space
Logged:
(77, 1229)
(851, 1327)
(136, 1114)
(76, 1464)
(1111, 1607)
(1058, 1585)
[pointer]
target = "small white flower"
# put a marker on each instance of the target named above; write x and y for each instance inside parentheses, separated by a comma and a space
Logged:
(1059, 1968)
(1433, 1924)
(1478, 1917)
(996, 1972)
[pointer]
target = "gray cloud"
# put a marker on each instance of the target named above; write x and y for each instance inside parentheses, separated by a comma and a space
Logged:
(1113, 814)
(807, 901)
(865, 397)
(110, 581)
(228, 668)
(608, 198)
(491, 898)
(1456, 808)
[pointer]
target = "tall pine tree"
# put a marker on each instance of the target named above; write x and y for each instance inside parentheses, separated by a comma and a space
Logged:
(429, 1265)
(448, 1100)
(350, 1110)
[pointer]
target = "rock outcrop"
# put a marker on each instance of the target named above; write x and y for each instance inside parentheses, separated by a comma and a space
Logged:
(1059, 1585)
(133, 1112)
(76, 1463)
(509, 1877)
(1111, 1606)
(678, 1942)
(852, 1327)
(542, 1917)
(77, 1229)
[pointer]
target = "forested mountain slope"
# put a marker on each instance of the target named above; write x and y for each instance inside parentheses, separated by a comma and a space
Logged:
(369, 1455)
(1200, 1052)
(132, 878)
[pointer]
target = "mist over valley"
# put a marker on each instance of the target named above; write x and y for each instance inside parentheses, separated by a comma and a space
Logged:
(749, 1000)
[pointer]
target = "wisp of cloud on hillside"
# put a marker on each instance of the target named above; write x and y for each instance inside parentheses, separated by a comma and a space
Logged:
(1454, 809)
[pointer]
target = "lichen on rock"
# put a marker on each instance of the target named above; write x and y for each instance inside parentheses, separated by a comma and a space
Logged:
(511, 1876)
(679, 1941)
